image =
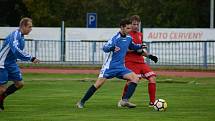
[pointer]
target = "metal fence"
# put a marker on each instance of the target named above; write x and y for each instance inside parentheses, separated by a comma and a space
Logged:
(195, 54)
(192, 54)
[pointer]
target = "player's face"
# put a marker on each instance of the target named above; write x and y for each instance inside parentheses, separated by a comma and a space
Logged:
(135, 25)
(126, 29)
(27, 29)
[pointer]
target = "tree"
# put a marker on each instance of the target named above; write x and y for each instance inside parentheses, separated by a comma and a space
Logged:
(11, 12)
(154, 13)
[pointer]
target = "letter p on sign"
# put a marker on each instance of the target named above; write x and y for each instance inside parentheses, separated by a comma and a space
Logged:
(91, 20)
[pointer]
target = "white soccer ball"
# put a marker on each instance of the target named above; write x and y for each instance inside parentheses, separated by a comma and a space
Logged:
(160, 105)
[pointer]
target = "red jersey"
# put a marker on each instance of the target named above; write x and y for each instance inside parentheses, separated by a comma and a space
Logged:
(137, 38)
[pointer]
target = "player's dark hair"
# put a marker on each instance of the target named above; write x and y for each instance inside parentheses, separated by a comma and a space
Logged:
(135, 18)
(124, 22)
(24, 21)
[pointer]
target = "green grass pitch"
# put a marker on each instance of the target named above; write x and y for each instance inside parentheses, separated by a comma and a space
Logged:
(52, 97)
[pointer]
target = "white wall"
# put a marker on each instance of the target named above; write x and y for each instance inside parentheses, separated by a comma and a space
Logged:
(90, 33)
(86, 49)
(150, 34)
(102, 34)
(37, 33)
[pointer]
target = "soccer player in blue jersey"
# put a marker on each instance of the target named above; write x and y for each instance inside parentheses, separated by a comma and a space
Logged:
(11, 51)
(114, 65)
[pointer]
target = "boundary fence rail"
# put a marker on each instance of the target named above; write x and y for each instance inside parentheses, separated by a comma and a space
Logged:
(193, 54)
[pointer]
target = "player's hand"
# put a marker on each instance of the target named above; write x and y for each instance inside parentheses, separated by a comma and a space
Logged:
(35, 60)
(153, 58)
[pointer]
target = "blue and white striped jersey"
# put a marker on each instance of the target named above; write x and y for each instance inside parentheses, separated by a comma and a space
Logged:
(117, 59)
(13, 49)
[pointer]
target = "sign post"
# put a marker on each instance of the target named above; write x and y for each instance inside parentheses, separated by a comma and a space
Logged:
(91, 20)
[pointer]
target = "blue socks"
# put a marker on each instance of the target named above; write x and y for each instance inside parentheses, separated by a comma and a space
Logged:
(131, 88)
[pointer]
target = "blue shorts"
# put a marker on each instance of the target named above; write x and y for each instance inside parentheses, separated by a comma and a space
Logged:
(114, 72)
(10, 73)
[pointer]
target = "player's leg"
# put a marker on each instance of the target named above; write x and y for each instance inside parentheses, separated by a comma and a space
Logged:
(3, 82)
(15, 75)
(12, 73)
(90, 92)
(125, 89)
(12, 88)
(2, 90)
(150, 76)
(103, 76)
(135, 68)
(152, 90)
(133, 80)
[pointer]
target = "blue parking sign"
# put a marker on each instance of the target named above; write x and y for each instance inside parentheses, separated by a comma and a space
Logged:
(91, 20)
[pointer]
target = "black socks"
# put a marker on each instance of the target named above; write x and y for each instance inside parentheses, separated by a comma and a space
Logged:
(88, 94)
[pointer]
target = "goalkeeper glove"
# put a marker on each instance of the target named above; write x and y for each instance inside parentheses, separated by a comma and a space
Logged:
(153, 58)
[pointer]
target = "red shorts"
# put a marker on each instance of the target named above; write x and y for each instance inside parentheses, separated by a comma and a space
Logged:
(141, 69)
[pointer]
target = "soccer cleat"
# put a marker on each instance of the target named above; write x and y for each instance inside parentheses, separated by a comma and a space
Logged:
(126, 103)
(80, 105)
(118, 104)
(151, 104)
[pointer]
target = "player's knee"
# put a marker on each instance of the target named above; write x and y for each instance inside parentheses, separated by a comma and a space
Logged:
(19, 84)
(99, 83)
(135, 80)
(152, 79)
(96, 85)
(2, 90)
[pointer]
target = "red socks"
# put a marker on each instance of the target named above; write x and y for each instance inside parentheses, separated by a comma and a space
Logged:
(152, 91)
(125, 89)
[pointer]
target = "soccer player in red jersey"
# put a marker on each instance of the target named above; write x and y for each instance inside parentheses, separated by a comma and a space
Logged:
(135, 61)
